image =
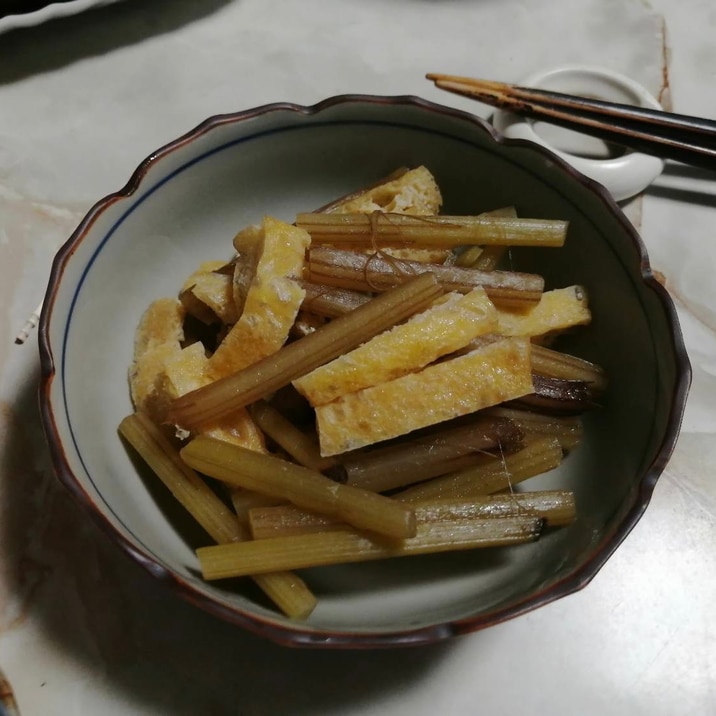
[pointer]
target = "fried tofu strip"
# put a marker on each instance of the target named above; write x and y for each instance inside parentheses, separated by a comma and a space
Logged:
(272, 301)
(557, 310)
(207, 294)
(450, 324)
(157, 339)
(483, 377)
(188, 371)
(405, 191)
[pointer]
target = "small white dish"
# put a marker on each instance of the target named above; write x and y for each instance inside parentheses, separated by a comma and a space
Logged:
(624, 176)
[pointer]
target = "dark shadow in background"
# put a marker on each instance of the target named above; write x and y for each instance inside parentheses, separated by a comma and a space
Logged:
(22, 7)
(58, 42)
(94, 603)
(103, 610)
(701, 190)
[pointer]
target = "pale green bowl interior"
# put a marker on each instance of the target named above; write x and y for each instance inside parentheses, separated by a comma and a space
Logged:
(187, 209)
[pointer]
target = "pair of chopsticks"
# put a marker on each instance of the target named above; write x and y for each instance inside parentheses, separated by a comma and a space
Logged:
(685, 139)
(690, 140)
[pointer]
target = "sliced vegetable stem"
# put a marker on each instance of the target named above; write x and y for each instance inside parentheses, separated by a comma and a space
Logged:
(421, 457)
(288, 591)
(568, 429)
(379, 272)
(186, 486)
(493, 475)
(331, 301)
(244, 500)
(320, 549)
(273, 476)
(556, 507)
(486, 258)
(556, 364)
(223, 397)
(490, 257)
(302, 447)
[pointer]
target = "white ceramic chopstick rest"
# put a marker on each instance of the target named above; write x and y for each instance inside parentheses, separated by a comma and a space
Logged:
(625, 175)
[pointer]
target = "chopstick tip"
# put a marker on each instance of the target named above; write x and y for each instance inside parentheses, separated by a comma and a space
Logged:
(467, 86)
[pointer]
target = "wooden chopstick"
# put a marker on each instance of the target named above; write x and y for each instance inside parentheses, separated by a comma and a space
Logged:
(691, 140)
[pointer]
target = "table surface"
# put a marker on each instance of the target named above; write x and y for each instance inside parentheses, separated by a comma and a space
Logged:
(85, 94)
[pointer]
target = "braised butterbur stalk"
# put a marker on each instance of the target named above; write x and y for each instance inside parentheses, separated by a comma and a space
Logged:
(558, 396)
(489, 258)
(567, 429)
(289, 521)
(306, 488)
(556, 507)
(222, 397)
(301, 446)
(378, 229)
(188, 488)
(313, 550)
(467, 258)
(379, 272)
(243, 501)
(486, 257)
(556, 364)
(287, 590)
(492, 475)
(330, 301)
(421, 457)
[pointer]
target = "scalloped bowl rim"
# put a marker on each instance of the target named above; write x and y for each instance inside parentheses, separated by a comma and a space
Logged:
(295, 634)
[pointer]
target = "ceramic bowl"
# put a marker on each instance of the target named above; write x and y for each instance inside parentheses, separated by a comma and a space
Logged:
(184, 204)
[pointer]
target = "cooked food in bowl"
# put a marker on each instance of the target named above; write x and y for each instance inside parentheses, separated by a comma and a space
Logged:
(357, 378)
(427, 332)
